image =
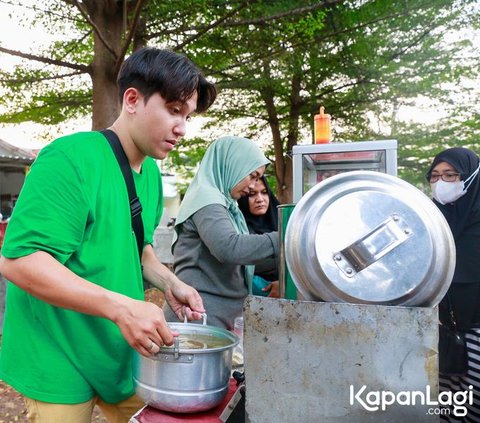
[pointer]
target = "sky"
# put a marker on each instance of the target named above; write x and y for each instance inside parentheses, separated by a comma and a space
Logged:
(17, 37)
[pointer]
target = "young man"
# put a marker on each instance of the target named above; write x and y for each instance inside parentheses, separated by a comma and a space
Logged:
(75, 306)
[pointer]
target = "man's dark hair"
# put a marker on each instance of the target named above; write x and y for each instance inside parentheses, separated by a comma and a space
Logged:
(172, 75)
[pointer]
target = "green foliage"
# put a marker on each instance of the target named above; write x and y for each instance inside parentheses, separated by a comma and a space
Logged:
(361, 60)
(42, 99)
(275, 62)
(183, 161)
(419, 144)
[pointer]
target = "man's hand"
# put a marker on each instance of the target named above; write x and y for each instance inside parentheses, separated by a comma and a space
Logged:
(143, 326)
(178, 294)
(183, 298)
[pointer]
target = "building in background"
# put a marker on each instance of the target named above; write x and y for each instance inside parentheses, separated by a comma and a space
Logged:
(171, 198)
(163, 237)
(14, 165)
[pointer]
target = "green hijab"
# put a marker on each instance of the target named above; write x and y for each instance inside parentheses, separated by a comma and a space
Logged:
(226, 162)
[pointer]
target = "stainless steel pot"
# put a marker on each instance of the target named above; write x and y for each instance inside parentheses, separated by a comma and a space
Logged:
(191, 376)
(369, 238)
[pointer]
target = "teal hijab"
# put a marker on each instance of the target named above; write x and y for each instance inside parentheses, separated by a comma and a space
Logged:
(226, 162)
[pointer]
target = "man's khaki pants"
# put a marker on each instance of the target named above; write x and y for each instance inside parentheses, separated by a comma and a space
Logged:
(44, 412)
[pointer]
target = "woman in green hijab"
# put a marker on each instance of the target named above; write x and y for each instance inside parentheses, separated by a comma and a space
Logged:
(213, 250)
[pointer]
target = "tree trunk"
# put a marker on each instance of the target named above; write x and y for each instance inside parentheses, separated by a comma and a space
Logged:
(285, 193)
(267, 95)
(108, 17)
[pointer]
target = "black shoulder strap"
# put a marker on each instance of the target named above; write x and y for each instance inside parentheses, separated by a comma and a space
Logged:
(135, 205)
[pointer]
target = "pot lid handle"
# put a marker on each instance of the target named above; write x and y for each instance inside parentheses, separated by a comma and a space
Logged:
(370, 248)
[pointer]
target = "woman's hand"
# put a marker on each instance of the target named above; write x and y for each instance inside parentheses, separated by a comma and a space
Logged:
(274, 289)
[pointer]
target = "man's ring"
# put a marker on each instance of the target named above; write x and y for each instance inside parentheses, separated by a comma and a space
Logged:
(150, 348)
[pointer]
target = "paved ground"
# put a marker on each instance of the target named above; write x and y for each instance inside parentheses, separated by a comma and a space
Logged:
(11, 405)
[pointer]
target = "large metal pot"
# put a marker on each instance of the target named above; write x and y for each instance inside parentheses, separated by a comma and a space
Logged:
(190, 376)
(369, 238)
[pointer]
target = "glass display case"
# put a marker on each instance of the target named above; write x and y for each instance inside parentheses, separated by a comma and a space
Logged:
(315, 162)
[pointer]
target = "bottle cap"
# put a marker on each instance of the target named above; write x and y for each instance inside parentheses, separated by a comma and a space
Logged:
(322, 114)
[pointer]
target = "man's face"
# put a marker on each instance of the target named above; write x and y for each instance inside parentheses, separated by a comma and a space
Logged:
(158, 126)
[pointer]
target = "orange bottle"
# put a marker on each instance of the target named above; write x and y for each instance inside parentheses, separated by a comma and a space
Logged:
(323, 133)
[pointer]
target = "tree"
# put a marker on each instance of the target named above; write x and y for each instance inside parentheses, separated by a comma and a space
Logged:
(274, 61)
(359, 59)
(102, 33)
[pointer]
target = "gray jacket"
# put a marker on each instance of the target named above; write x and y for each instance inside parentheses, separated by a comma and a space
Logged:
(209, 255)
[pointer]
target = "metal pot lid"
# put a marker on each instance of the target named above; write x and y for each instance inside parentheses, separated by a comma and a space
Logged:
(369, 238)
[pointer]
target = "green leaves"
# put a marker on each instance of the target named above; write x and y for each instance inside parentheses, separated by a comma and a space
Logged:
(275, 63)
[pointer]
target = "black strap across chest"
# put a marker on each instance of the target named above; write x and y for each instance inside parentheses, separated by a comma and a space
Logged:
(135, 205)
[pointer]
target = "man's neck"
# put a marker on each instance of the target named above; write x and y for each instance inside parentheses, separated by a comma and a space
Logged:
(135, 158)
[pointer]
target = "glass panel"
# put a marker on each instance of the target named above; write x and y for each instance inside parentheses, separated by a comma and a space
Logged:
(320, 166)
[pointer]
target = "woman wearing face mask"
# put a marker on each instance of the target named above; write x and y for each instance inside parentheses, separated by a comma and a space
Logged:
(213, 250)
(260, 211)
(455, 184)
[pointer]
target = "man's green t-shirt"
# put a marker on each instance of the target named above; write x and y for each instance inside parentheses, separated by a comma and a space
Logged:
(74, 205)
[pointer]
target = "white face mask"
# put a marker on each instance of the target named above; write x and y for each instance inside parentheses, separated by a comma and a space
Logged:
(448, 192)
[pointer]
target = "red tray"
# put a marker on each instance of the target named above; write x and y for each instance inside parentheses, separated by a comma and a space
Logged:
(150, 414)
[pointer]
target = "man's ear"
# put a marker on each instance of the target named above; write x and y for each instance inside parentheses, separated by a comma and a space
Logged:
(131, 97)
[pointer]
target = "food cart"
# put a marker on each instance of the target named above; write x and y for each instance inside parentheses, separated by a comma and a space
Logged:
(370, 257)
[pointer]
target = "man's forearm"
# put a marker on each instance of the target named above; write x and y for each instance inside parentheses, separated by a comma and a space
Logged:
(156, 273)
